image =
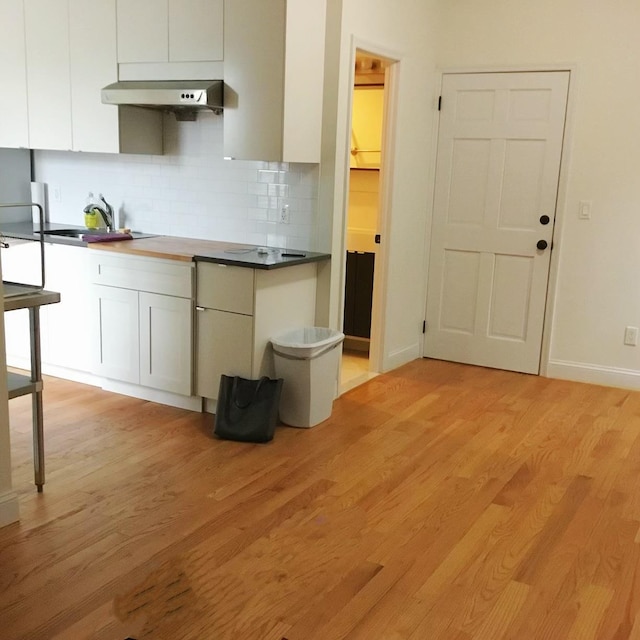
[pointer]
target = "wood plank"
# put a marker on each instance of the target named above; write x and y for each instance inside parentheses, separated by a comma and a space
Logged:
(166, 247)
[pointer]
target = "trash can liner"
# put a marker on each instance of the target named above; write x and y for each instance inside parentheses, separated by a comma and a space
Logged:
(306, 343)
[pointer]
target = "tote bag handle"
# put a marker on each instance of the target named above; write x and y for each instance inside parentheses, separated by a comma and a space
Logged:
(234, 393)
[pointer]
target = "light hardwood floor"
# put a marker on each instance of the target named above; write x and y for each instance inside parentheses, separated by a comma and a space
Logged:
(440, 501)
(354, 369)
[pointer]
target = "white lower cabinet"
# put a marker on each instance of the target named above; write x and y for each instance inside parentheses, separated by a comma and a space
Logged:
(165, 342)
(21, 263)
(144, 317)
(66, 333)
(225, 346)
(68, 327)
(118, 333)
(239, 310)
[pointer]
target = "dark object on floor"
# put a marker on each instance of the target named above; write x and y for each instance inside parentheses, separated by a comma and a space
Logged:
(358, 294)
(247, 410)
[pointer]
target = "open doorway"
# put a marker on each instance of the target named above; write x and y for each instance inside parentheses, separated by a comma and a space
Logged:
(363, 214)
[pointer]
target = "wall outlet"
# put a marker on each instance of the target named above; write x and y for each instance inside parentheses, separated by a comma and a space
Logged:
(284, 214)
(631, 336)
(57, 194)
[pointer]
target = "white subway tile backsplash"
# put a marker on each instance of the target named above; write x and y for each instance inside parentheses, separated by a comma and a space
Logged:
(191, 191)
(280, 190)
(258, 189)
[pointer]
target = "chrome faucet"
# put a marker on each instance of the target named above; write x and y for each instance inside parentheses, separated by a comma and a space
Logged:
(105, 211)
(107, 214)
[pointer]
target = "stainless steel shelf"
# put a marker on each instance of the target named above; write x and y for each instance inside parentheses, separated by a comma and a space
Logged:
(21, 385)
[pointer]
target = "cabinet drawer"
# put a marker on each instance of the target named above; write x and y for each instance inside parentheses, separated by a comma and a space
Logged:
(168, 277)
(225, 288)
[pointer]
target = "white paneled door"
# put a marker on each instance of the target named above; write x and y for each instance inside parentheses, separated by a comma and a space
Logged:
(499, 150)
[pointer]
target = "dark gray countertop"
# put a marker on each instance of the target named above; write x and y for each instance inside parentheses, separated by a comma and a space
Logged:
(255, 258)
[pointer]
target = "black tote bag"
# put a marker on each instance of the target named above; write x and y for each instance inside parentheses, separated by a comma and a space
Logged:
(247, 410)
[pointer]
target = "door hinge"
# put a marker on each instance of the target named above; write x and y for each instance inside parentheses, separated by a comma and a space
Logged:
(439, 103)
(424, 326)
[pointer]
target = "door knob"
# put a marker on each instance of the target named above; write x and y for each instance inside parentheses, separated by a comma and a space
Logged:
(544, 219)
(542, 245)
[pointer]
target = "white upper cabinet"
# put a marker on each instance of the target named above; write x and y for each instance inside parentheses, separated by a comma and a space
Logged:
(55, 57)
(303, 80)
(14, 124)
(274, 72)
(254, 78)
(95, 126)
(169, 30)
(48, 74)
(93, 66)
(143, 28)
(195, 30)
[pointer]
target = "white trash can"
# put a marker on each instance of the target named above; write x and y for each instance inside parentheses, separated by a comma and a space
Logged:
(308, 360)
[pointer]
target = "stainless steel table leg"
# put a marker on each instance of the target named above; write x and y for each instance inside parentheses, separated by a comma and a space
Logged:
(36, 398)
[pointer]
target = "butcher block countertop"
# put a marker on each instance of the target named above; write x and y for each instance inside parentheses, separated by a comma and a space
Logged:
(191, 249)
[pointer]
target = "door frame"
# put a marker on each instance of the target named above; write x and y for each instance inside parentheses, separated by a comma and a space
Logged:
(381, 268)
(561, 198)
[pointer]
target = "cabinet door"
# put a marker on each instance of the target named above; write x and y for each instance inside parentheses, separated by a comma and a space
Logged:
(143, 30)
(21, 263)
(304, 80)
(254, 49)
(14, 124)
(225, 344)
(93, 66)
(116, 339)
(48, 76)
(195, 30)
(68, 323)
(165, 343)
(274, 76)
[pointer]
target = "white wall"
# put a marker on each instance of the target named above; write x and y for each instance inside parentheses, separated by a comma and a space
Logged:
(402, 30)
(597, 291)
(190, 191)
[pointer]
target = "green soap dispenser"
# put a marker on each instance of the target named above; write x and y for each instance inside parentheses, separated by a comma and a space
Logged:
(91, 215)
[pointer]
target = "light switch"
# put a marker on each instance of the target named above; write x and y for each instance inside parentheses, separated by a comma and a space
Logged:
(584, 210)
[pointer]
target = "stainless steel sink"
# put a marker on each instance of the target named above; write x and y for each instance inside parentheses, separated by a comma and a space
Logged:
(77, 233)
(73, 233)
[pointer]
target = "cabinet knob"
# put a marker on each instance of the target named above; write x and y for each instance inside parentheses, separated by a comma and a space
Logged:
(542, 245)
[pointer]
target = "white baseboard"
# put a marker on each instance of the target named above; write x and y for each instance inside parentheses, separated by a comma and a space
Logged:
(18, 363)
(209, 405)
(594, 374)
(397, 358)
(9, 508)
(74, 375)
(192, 403)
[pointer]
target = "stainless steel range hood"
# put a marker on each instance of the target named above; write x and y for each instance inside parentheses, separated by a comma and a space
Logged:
(184, 97)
